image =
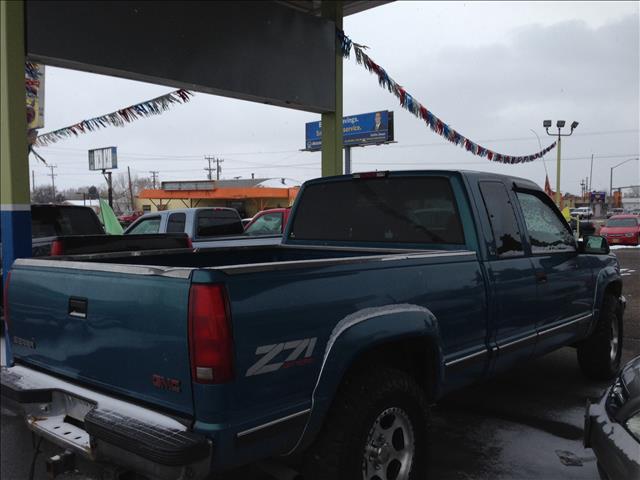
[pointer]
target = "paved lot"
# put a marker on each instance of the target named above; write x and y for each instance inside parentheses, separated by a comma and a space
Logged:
(526, 424)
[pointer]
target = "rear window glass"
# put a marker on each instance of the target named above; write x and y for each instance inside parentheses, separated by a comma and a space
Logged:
(380, 210)
(622, 222)
(219, 222)
(59, 221)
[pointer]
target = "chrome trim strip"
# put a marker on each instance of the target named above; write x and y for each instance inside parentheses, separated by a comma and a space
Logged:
(563, 325)
(272, 423)
(515, 342)
(466, 357)
(78, 314)
(107, 267)
(327, 262)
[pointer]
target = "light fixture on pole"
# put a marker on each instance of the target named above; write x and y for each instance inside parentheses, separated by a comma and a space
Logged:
(560, 124)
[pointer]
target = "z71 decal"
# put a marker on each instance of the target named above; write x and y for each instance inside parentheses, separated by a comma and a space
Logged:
(269, 353)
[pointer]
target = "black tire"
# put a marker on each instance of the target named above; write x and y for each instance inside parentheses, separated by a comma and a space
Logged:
(357, 411)
(596, 355)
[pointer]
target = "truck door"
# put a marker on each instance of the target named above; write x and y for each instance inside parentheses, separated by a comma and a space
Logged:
(565, 286)
(512, 303)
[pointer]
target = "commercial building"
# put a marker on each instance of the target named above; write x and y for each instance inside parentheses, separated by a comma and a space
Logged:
(248, 196)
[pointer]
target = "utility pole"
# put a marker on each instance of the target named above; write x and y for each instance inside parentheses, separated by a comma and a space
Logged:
(130, 188)
(154, 174)
(53, 183)
(209, 169)
(33, 181)
(218, 167)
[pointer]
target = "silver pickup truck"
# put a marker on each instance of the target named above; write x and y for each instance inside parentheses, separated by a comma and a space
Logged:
(206, 226)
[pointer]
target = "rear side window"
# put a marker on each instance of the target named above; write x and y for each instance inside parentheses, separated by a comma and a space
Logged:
(52, 221)
(503, 219)
(175, 223)
(218, 222)
(547, 232)
(148, 225)
(380, 210)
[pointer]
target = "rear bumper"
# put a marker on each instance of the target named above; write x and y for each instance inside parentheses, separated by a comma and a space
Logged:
(615, 448)
(103, 428)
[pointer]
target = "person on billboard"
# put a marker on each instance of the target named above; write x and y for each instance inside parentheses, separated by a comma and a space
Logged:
(378, 122)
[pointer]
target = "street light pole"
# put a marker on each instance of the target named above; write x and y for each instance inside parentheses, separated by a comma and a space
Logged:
(611, 175)
(560, 124)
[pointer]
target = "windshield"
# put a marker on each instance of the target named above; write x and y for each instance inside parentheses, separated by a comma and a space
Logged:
(622, 222)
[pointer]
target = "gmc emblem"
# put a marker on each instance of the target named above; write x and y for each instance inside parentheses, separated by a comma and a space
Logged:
(170, 384)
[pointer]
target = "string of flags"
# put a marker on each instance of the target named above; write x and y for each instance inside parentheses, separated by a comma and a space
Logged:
(119, 118)
(415, 107)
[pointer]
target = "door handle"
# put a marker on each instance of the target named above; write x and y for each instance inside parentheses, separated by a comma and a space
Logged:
(541, 277)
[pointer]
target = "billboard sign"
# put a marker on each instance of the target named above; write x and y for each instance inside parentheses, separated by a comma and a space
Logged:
(358, 130)
(598, 197)
(103, 158)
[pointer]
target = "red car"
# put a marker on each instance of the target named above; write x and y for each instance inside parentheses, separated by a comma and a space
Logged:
(268, 222)
(622, 230)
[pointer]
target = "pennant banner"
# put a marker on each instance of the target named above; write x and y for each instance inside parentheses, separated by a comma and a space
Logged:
(433, 122)
(151, 107)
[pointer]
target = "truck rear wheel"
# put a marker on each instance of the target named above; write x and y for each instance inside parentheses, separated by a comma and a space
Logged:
(376, 430)
(599, 355)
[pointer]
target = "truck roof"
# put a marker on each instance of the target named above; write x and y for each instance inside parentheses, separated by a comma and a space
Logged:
(470, 174)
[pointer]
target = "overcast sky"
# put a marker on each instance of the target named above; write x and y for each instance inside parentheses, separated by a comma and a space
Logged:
(493, 71)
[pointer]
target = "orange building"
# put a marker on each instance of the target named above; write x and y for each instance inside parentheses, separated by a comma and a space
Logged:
(248, 196)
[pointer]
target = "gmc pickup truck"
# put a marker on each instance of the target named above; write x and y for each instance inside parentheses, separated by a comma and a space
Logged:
(327, 349)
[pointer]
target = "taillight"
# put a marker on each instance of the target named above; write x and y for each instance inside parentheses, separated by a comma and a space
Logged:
(5, 301)
(57, 248)
(189, 243)
(210, 340)
(364, 175)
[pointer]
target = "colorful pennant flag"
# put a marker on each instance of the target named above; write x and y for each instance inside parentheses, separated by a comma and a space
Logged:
(155, 106)
(415, 107)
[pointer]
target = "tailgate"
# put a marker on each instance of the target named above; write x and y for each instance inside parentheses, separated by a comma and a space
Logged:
(118, 327)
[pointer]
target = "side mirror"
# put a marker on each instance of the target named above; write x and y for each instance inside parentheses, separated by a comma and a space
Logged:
(594, 245)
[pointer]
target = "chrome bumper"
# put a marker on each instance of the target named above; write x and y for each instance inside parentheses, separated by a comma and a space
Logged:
(103, 428)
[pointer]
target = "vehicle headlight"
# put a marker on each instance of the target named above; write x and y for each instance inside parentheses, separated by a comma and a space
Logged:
(618, 396)
(633, 425)
(629, 235)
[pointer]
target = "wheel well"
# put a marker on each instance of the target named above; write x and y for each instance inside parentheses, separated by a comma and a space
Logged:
(417, 356)
(614, 288)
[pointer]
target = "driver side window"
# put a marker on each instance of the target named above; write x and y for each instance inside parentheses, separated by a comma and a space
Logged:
(547, 232)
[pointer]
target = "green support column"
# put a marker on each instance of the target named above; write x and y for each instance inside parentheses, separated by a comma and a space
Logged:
(15, 209)
(332, 122)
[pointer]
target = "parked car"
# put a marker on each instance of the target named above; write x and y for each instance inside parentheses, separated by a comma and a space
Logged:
(333, 343)
(206, 226)
(129, 217)
(622, 230)
(582, 212)
(615, 211)
(612, 426)
(268, 222)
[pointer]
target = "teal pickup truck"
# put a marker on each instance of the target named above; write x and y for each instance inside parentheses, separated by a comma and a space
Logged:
(389, 290)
